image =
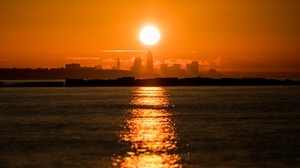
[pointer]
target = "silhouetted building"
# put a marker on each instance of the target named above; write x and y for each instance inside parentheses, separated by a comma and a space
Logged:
(72, 66)
(149, 62)
(137, 65)
(175, 68)
(98, 67)
(118, 64)
(193, 68)
(213, 73)
(164, 69)
(88, 68)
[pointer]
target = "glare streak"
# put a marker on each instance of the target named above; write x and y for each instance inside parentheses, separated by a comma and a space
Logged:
(123, 51)
(150, 132)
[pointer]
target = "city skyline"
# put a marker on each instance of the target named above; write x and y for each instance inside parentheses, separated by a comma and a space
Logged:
(224, 35)
(140, 67)
(175, 69)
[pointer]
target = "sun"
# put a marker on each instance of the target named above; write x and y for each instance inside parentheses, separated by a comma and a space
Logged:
(149, 35)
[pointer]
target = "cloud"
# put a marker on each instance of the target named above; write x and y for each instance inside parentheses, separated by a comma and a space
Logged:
(156, 62)
(130, 60)
(109, 60)
(178, 61)
(123, 61)
(122, 51)
(217, 61)
(83, 58)
(204, 63)
(192, 52)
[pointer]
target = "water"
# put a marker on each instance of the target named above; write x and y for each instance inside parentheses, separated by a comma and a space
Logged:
(150, 127)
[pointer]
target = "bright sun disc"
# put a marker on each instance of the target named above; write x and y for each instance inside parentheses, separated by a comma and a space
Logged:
(149, 35)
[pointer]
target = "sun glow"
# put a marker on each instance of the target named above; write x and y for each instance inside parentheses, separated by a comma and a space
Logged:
(149, 35)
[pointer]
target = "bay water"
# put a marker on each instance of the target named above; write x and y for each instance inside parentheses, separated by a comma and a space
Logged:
(247, 126)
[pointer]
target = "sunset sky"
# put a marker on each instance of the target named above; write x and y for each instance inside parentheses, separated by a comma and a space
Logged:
(248, 35)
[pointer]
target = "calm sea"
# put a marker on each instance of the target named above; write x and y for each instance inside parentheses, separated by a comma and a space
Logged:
(150, 127)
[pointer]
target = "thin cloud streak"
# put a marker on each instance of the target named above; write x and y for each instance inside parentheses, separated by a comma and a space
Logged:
(123, 51)
(109, 60)
(83, 58)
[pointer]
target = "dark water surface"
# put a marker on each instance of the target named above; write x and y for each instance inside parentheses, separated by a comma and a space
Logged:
(150, 127)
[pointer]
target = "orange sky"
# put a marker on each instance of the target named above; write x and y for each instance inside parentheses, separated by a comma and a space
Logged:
(249, 35)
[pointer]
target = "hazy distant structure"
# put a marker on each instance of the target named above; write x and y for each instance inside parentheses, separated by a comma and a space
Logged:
(99, 67)
(137, 65)
(213, 73)
(164, 69)
(193, 68)
(176, 68)
(87, 68)
(118, 64)
(149, 63)
(72, 66)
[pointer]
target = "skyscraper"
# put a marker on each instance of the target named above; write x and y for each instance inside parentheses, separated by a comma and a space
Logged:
(137, 65)
(193, 68)
(149, 62)
(164, 69)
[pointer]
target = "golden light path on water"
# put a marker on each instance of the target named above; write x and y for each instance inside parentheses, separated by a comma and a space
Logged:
(150, 132)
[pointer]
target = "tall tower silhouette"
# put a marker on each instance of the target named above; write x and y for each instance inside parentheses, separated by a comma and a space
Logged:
(118, 64)
(149, 62)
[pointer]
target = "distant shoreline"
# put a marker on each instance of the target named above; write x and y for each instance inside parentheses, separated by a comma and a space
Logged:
(131, 81)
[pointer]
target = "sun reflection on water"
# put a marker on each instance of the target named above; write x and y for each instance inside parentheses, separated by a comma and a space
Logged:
(150, 132)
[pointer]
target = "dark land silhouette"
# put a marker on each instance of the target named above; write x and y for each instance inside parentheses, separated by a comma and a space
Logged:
(198, 81)
(131, 81)
(94, 73)
(74, 75)
(62, 73)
